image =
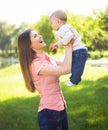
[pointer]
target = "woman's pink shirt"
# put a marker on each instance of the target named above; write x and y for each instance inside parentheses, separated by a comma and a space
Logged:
(51, 96)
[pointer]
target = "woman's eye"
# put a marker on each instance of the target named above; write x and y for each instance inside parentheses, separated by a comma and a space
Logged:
(35, 35)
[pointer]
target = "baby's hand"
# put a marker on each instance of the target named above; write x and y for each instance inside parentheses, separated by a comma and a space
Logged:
(53, 46)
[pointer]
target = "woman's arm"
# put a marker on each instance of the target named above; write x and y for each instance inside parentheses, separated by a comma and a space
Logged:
(59, 62)
(62, 69)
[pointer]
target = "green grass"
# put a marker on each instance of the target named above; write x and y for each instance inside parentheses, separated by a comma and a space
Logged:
(87, 103)
(96, 54)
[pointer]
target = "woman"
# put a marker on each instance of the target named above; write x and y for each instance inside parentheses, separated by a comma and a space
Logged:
(41, 72)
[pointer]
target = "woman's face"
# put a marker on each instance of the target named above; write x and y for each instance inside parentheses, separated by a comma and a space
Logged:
(37, 42)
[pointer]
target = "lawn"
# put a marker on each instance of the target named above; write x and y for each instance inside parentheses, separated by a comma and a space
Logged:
(87, 103)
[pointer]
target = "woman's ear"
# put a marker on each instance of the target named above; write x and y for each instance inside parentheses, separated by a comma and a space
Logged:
(31, 46)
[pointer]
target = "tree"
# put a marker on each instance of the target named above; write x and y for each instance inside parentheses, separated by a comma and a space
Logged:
(88, 26)
(93, 30)
(15, 33)
(4, 36)
(98, 42)
(103, 19)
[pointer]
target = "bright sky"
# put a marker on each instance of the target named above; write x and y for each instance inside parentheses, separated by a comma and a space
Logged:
(30, 11)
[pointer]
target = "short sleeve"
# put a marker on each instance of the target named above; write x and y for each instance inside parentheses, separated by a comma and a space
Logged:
(35, 68)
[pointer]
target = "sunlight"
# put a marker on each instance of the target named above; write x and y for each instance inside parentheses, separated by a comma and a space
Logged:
(31, 11)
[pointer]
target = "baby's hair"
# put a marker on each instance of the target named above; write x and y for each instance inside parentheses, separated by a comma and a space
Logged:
(59, 14)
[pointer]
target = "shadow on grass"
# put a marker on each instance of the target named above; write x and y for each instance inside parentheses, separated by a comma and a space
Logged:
(87, 105)
(19, 114)
(87, 108)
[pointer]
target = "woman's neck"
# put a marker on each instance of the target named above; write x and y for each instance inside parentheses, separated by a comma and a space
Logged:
(39, 51)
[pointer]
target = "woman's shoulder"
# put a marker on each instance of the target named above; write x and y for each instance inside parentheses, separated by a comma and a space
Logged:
(36, 62)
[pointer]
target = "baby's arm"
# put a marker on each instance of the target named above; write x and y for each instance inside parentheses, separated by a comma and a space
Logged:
(68, 36)
(64, 36)
(61, 68)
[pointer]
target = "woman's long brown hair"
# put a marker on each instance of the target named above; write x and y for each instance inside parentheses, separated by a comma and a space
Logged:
(26, 55)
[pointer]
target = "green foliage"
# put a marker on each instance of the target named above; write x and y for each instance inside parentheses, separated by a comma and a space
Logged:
(93, 31)
(87, 103)
(4, 35)
(88, 26)
(14, 36)
(8, 37)
(76, 21)
(98, 41)
(103, 19)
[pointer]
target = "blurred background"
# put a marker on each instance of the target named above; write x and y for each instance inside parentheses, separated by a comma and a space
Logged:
(87, 103)
(89, 18)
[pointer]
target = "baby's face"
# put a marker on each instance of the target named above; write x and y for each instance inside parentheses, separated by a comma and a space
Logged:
(55, 24)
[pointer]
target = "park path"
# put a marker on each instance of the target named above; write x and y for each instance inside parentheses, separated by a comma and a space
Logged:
(90, 62)
(98, 62)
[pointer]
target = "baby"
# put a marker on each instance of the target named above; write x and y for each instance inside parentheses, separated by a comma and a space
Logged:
(64, 34)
